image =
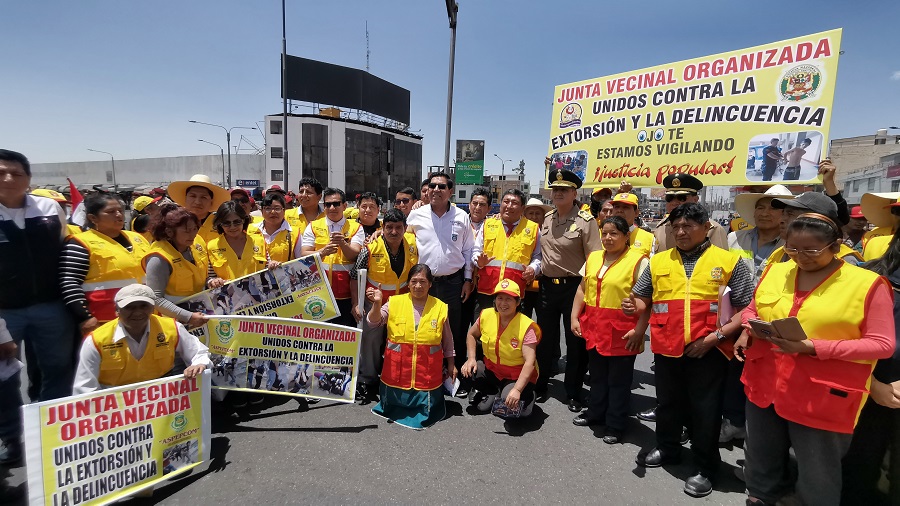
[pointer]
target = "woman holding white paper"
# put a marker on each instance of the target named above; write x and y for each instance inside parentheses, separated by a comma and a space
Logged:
(811, 398)
(419, 344)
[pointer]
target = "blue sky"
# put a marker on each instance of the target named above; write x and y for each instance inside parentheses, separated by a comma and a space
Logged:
(126, 77)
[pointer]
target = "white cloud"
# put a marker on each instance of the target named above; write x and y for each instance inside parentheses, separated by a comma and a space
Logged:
(895, 76)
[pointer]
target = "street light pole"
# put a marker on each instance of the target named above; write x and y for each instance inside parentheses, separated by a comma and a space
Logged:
(112, 158)
(502, 165)
(227, 140)
(452, 10)
(222, 152)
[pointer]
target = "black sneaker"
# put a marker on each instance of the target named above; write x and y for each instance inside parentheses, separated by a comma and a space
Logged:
(462, 392)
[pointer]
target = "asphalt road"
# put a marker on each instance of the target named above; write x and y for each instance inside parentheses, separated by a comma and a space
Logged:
(343, 454)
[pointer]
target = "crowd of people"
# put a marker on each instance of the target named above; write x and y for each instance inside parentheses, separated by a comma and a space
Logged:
(776, 333)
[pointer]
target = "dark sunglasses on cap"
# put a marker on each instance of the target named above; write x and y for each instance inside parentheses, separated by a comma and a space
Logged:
(331, 204)
(679, 198)
(242, 200)
(439, 186)
(401, 201)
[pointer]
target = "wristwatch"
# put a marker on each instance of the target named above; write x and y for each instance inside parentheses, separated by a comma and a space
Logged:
(467, 280)
(720, 336)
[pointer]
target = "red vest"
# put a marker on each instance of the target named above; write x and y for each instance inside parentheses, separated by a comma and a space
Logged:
(603, 324)
(413, 355)
(685, 310)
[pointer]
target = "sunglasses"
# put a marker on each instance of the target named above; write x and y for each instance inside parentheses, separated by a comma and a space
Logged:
(401, 201)
(438, 186)
(332, 204)
(679, 198)
(232, 223)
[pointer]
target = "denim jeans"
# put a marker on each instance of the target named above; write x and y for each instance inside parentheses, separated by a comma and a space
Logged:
(49, 330)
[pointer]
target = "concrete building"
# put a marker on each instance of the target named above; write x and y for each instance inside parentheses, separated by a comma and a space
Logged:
(867, 164)
(151, 172)
(342, 152)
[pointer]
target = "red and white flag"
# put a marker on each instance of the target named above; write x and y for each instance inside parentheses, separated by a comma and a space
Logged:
(78, 216)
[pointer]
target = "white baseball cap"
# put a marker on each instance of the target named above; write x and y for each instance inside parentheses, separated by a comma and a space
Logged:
(134, 293)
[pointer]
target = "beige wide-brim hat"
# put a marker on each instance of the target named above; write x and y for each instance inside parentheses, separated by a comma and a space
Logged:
(874, 207)
(178, 190)
(745, 203)
(533, 202)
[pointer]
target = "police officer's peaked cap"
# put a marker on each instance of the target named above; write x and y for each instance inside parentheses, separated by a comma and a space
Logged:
(563, 179)
(682, 184)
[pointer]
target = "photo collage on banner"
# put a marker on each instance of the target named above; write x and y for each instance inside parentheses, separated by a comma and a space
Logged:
(715, 117)
(285, 356)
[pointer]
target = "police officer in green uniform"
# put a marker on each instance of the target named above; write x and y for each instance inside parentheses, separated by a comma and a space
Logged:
(568, 236)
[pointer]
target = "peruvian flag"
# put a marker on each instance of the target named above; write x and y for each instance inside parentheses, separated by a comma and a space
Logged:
(78, 216)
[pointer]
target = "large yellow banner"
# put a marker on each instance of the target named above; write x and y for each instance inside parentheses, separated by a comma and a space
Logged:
(99, 447)
(285, 356)
(751, 116)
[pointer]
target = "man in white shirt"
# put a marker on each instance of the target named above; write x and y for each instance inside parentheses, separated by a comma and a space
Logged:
(445, 240)
(126, 340)
(338, 242)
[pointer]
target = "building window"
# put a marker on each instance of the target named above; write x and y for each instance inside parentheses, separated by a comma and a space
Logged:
(314, 147)
(275, 152)
(872, 183)
(856, 185)
(277, 175)
(462, 194)
(895, 185)
(275, 127)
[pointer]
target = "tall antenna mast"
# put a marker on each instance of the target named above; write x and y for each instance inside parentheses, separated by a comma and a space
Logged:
(367, 46)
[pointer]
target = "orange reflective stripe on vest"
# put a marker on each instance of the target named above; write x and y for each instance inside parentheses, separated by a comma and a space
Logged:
(511, 254)
(379, 269)
(823, 394)
(603, 324)
(685, 310)
(503, 352)
(413, 356)
(112, 267)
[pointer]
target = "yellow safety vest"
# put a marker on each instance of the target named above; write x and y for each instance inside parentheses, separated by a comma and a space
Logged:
(641, 240)
(823, 394)
(876, 232)
(603, 324)
(413, 355)
(118, 367)
(503, 352)
(281, 249)
(336, 264)
(112, 267)
(297, 220)
(226, 263)
(379, 269)
(876, 247)
(512, 253)
(685, 310)
(186, 278)
(207, 231)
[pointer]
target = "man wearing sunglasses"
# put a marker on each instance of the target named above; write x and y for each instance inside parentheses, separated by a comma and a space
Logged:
(445, 241)
(404, 200)
(338, 241)
(681, 189)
